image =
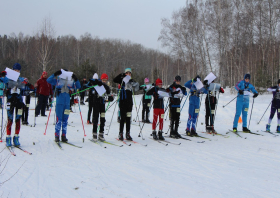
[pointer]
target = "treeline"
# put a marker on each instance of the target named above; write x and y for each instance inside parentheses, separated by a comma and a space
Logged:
(85, 56)
(227, 37)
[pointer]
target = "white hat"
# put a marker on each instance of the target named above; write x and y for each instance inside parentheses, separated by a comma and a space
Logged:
(95, 76)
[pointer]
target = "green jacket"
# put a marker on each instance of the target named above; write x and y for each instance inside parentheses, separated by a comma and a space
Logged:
(145, 89)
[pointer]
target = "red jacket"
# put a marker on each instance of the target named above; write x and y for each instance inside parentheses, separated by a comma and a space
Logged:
(43, 87)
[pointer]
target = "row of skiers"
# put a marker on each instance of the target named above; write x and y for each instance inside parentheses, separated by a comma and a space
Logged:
(175, 92)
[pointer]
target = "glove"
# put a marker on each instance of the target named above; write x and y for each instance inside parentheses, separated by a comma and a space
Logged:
(74, 77)
(99, 83)
(255, 95)
(175, 92)
(241, 92)
(222, 90)
(3, 73)
(131, 80)
(92, 82)
(205, 82)
(57, 73)
(110, 98)
(195, 79)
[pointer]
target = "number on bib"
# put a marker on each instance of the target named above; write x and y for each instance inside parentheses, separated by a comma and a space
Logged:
(178, 110)
(246, 109)
(128, 114)
(19, 112)
(212, 111)
(162, 116)
(149, 104)
(196, 110)
(103, 115)
(67, 111)
(27, 105)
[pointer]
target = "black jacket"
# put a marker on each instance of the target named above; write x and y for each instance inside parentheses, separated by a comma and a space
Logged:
(158, 101)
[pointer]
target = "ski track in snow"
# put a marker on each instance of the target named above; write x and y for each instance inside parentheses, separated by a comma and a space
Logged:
(223, 167)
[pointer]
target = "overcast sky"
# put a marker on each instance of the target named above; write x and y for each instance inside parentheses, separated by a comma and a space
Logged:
(135, 20)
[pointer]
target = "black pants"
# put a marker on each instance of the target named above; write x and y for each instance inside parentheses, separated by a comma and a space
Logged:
(98, 109)
(49, 103)
(90, 109)
(41, 104)
(125, 110)
(146, 109)
(25, 109)
(82, 94)
(175, 118)
(208, 116)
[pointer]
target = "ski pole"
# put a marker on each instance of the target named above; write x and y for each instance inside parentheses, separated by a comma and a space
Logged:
(115, 108)
(198, 112)
(184, 102)
(112, 104)
(266, 109)
(230, 101)
(167, 109)
(135, 120)
(216, 107)
(251, 112)
(210, 109)
(80, 112)
(143, 126)
(35, 111)
(105, 112)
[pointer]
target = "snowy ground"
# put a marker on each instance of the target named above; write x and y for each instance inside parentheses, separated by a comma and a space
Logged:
(223, 167)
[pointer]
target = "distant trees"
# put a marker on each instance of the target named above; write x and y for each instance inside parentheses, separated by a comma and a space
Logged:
(228, 37)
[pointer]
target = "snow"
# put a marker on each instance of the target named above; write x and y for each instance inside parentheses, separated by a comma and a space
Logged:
(222, 167)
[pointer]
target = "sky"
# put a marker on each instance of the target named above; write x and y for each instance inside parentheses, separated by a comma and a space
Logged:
(136, 20)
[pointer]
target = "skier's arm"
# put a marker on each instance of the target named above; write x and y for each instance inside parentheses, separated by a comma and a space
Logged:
(52, 80)
(272, 89)
(151, 91)
(118, 79)
(252, 88)
(188, 84)
(108, 91)
(238, 85)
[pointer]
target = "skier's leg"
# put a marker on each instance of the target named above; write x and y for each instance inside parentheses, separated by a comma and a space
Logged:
(155, 119)
(161, 117)
(239, 105)
(59, 110)
(245, 109)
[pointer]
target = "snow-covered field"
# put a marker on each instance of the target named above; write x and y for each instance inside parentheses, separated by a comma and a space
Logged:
(222, 167)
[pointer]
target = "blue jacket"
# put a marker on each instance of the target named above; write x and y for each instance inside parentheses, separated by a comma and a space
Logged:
(242, 85)
(190, 84)
(62, 98)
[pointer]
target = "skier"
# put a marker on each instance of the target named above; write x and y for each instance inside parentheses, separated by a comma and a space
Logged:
(99, 105)
(26, 103)
(62, 102)
(194, 105)
(82, 94)
(44, 90)
(211, 101)
(242, 103)
(275, 106)
(126, 101)
(176, 93)
(14, 102)
(158, 106)
(91, 98)
(146, 101)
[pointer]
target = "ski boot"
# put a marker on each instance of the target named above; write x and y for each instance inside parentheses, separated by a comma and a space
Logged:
(160, 136)
(56, 139)
(101, 136)
(94, 135)
(16, 140)
(268, 128)
(148, 121)
(8, 141)
(193, 132)
(155, 135)
(278, 129)
(208, 129)
(82, 103)
(188, 133)
(128, 137)
(89, 122)
(173, 134)
(121, 136)
(234, 130)
(246, 130)
(64, 139)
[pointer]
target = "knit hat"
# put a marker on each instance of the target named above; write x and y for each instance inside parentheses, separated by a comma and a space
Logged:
(247, 76)
(127, 70)
(104, 76)
(44, 73)
(178, 78)
(95, 76)
(158, 81)
(146, 80)
(17, 66)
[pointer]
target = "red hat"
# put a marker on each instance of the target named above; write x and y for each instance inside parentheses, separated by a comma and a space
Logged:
(104, 76)
(158, 81)
(44, 73)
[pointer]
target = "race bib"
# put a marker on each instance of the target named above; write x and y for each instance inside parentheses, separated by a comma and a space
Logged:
(246, 109)
(128, 114)
(27, 105)
(67, 111)
(162, 116)
(278, 110)
(102, 115)
(148, 104)
(178, 110)
(196, 110)
(19, 112)
(8, 105)
(212, 111)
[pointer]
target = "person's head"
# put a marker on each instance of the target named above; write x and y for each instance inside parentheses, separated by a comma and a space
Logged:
(17, 67)
(146, 81)
(128, 71)
(44, 74)
(104, 78)
(159, 82)
(178, 80)
(247, 78)
(95, 76)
